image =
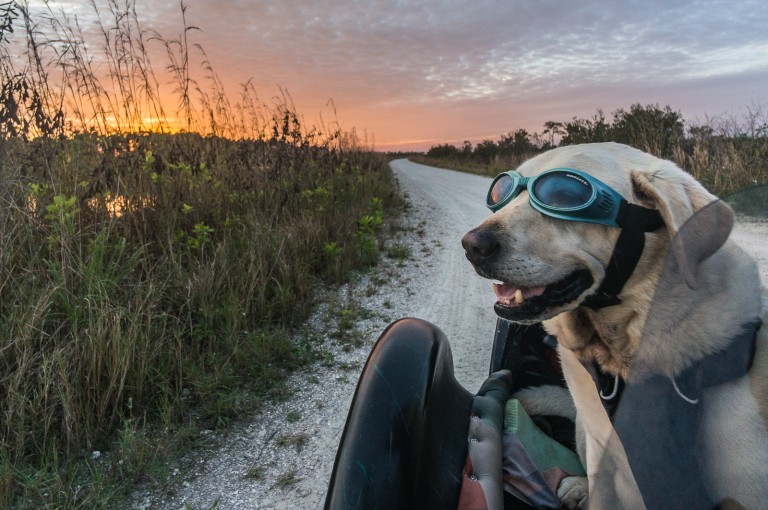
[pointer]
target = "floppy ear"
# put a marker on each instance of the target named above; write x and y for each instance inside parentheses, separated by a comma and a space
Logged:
(697, 221)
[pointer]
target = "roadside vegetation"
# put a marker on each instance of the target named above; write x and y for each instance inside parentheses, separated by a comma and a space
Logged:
(152, 271)
(726, 153)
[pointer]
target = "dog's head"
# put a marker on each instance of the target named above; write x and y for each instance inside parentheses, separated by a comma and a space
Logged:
(544, 266)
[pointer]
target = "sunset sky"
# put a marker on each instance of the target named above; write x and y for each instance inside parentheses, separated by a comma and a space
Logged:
(418, 73)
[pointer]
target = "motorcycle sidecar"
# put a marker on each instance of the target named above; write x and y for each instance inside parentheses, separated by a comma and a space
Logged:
(417, 439)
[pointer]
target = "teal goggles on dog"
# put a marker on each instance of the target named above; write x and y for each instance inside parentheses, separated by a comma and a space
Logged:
(572, 195)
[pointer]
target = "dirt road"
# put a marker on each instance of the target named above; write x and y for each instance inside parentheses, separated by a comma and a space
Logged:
(282, 458)
(456, 299)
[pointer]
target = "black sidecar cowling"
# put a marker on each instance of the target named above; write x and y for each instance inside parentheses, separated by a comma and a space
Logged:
(414, 435)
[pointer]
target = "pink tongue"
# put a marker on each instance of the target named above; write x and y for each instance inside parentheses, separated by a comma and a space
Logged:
(506, 291)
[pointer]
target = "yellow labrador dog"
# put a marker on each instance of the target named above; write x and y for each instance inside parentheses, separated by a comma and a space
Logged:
(627, 260)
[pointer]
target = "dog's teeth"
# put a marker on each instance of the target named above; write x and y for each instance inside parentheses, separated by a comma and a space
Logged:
(519, 297)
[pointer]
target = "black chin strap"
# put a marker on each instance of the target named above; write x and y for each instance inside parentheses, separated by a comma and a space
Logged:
(634, 221)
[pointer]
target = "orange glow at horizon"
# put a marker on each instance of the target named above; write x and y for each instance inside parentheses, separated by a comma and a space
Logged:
(414, 75)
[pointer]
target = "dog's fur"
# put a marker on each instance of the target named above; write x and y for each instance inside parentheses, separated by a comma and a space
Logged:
(719, 291)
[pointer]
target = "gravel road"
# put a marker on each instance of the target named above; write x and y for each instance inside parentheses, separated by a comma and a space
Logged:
(282, 458)
(276, 461)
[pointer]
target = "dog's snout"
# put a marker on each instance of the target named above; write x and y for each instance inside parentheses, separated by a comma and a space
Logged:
(480, 244)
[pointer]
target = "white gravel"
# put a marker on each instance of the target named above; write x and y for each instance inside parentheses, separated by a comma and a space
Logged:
(436, 283)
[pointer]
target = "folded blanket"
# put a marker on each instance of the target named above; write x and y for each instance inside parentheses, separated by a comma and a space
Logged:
(545, 452)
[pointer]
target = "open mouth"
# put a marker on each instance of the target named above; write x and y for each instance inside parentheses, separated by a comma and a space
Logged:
(522, 304)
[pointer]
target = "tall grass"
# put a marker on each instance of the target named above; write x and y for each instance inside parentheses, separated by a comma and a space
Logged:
(727, 153)
(150, 280)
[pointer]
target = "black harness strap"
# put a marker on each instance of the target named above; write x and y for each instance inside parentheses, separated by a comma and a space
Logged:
(634, 221)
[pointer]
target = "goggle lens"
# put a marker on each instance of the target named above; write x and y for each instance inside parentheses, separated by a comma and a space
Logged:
(562, 190)
(503, 186)
(572, 195)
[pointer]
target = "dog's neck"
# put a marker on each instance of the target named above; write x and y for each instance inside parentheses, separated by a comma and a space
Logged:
(681, 330)
(609, 335)
(600, 336)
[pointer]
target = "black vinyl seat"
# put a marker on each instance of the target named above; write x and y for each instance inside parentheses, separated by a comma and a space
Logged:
(404, 445)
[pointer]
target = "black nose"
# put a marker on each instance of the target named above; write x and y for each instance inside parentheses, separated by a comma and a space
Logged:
(480, 244)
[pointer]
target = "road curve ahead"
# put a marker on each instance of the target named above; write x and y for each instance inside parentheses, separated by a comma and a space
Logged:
(455, 298)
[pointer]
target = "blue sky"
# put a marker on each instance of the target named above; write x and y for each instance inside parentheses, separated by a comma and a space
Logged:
(417, 73)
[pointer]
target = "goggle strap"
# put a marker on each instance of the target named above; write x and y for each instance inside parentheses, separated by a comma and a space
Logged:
(637, 217)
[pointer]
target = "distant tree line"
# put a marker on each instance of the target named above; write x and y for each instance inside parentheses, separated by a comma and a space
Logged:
(649, 127)
(724, 152)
